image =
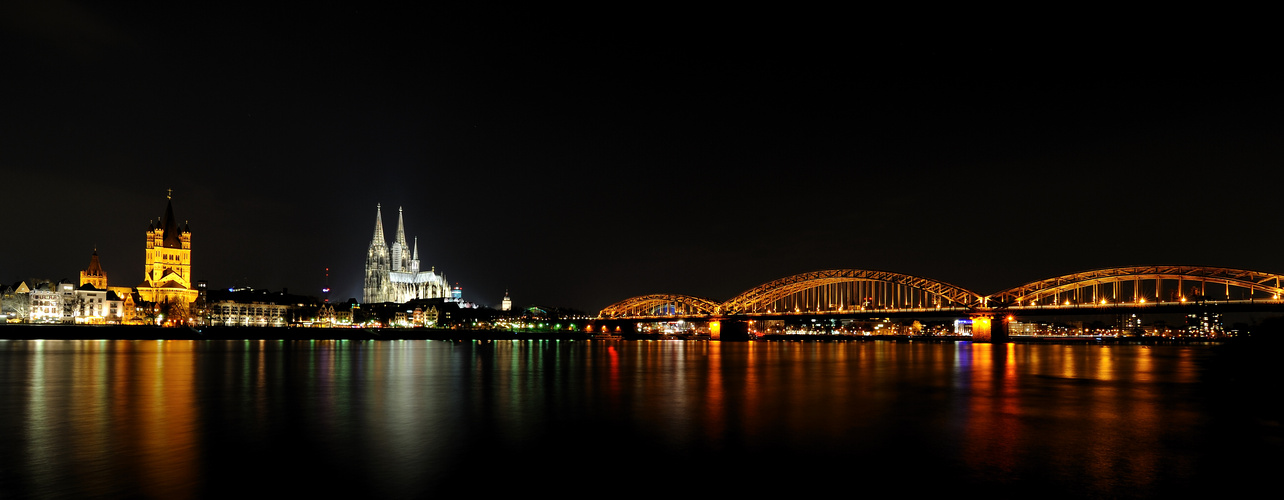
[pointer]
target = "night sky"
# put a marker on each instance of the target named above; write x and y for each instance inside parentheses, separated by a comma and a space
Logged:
(580, 157)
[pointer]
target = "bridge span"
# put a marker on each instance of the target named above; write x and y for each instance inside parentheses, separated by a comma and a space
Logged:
(858, 293)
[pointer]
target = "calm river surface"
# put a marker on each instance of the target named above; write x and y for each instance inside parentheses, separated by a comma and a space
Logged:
(225, 419)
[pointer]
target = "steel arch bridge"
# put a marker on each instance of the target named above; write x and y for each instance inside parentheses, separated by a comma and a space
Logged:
(660, 305)
(849, 289)
(841, 291)
(1142, 284)
(835, 290)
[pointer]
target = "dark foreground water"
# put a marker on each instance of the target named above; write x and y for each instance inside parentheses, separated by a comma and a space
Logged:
(236, 419)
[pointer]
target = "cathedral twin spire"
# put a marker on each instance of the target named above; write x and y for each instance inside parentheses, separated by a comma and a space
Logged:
(401, 228)
(378, 236)
(401, 254)
(393, 274)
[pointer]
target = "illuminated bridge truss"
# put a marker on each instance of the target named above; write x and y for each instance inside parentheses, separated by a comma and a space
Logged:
(855, 290)
(1140, 285)
(842, 290)
(658, 305)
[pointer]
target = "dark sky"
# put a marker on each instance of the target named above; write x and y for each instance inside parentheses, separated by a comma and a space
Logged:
(580, 157)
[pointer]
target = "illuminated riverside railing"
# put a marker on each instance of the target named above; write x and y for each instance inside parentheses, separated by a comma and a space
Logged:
(856, 291)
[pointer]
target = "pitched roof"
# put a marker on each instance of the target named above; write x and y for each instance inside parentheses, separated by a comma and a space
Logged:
(95, 267)
(170, 226)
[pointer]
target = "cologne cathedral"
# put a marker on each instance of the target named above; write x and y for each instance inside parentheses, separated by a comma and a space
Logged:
(393, 275)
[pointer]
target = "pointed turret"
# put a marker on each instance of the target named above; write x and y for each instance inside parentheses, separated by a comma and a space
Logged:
(378, 235)
(414, 257)
(401, 229)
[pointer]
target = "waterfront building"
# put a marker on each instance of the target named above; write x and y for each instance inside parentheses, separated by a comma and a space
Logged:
(117, 302)
(167, 269)
(15, 303)
(1017, 328)
(95, 306)
(229, 312)
(1205, 323)
(430, 317)
(68, 297)
(250, 307)
(507, 303)
(394, 274)
(327, 316)
(45, 304)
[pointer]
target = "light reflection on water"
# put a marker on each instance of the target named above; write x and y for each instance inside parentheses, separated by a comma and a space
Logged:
(182, 419)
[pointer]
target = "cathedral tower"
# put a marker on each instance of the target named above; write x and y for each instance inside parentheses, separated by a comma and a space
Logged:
(400, 251)
(377, 264)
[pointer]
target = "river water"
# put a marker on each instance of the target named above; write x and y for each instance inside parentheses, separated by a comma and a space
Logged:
(401, 419)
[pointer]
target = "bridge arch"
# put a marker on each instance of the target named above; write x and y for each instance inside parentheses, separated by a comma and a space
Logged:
(837, 289)
(1139, 284)
(660, 305)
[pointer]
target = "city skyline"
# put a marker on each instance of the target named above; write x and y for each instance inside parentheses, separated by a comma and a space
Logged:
(579, 165)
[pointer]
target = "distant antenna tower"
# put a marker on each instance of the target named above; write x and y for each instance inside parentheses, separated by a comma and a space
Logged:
(325, 292)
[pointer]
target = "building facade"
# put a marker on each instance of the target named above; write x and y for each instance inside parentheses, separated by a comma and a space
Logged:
(232, 313)
(393, 274)
(97, 302)
(46, 304)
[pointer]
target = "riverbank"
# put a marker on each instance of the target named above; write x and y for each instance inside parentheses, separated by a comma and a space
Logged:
(135, 332)
(1012, 339)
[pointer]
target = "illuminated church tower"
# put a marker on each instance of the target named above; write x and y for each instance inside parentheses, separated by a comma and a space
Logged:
(394, 275)
(377, 264)
(94, 275)
(167, 270)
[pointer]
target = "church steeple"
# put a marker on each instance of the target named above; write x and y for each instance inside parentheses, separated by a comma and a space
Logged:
(378, 235)
(400, 252)
(401, 229)
(94, 275)
(95, 267)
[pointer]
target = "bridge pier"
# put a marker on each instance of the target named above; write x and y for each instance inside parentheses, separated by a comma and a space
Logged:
(729, 330)
(989, 328)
